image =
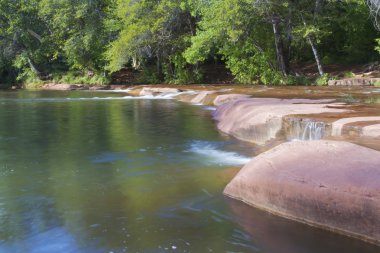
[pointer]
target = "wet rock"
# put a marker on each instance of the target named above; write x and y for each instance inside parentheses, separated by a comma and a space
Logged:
(63, 86)
(259, 120)
(186, 96)
(204, 97)
(329, 184)
(100, 87)
(338, 126)
(149, 91)
(222, 99)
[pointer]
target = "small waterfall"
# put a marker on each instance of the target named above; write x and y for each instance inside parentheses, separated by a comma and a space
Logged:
(306, 130)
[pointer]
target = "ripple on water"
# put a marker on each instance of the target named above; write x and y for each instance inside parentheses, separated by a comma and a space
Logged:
(212, 155)
(107, 157)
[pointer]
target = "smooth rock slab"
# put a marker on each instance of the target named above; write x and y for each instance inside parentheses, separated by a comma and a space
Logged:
(201, 97)
(338, 125)
(371, 131)
(329, 184)
(222, 99)
(259, 120)
(150, 91)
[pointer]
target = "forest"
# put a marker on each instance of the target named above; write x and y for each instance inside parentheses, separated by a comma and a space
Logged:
(173, 41)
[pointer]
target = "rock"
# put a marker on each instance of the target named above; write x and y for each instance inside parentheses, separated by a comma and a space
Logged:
(371, 131)
(149, 91)
(266, 229)
(186, 96)
(329, 184)
(222, 99)
(203, 97)
(354, 82)
(63, 86)
(259, 120)
(337, 126)
(99, 87)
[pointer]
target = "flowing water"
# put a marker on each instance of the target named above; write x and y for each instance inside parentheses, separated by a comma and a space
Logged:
(84, 172)
(305, 130)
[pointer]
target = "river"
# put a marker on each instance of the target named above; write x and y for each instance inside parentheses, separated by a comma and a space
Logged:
(86, 172)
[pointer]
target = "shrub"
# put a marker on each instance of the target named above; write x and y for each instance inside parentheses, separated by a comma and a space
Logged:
(322, 80)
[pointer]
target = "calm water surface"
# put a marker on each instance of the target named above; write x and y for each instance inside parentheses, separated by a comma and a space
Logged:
(84, 173)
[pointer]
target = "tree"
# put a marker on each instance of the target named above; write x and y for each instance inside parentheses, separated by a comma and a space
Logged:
(23, 37)
(151, 32)
(77, 28)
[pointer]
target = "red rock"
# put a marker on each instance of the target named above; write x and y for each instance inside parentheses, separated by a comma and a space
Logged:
(226, 98)
(259, 120)
(201, 97)
(149, 91)
(369, 131)
(329, 184)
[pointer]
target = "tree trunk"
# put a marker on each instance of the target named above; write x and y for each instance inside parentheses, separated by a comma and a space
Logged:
(315, 51)
(316, 56)
(279, 46)
(135, 63)
(289, 37)
(33, 67)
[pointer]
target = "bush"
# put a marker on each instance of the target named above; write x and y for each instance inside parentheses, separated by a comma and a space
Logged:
(298, 80)
(322, 80)
(72, 77)
(349, 75)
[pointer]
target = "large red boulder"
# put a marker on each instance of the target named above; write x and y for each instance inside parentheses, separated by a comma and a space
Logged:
(329, 184)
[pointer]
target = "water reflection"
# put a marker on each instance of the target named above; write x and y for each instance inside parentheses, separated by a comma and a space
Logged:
(277, 235)
(121, 176)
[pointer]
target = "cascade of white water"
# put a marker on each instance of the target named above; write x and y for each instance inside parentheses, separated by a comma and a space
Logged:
(306, 130)
(313, 130)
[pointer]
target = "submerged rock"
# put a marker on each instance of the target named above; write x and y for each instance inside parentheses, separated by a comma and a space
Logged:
(329, 184)
(259, 120)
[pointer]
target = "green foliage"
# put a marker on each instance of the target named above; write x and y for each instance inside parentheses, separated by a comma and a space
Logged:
(349, 75)
(80, 78)
(322, 80)
(178, 71)
(258, 41)
(298, 80)
(26, 75)
(377, 84)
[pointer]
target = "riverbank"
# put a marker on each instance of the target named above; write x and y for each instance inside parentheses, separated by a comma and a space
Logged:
(336, 188)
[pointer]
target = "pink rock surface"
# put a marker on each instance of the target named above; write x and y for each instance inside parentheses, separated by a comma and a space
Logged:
(259, 120)
(338, 125)
(201, 97)
(148, 91)
(333, 185)
(371, 131)
(222, 99)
